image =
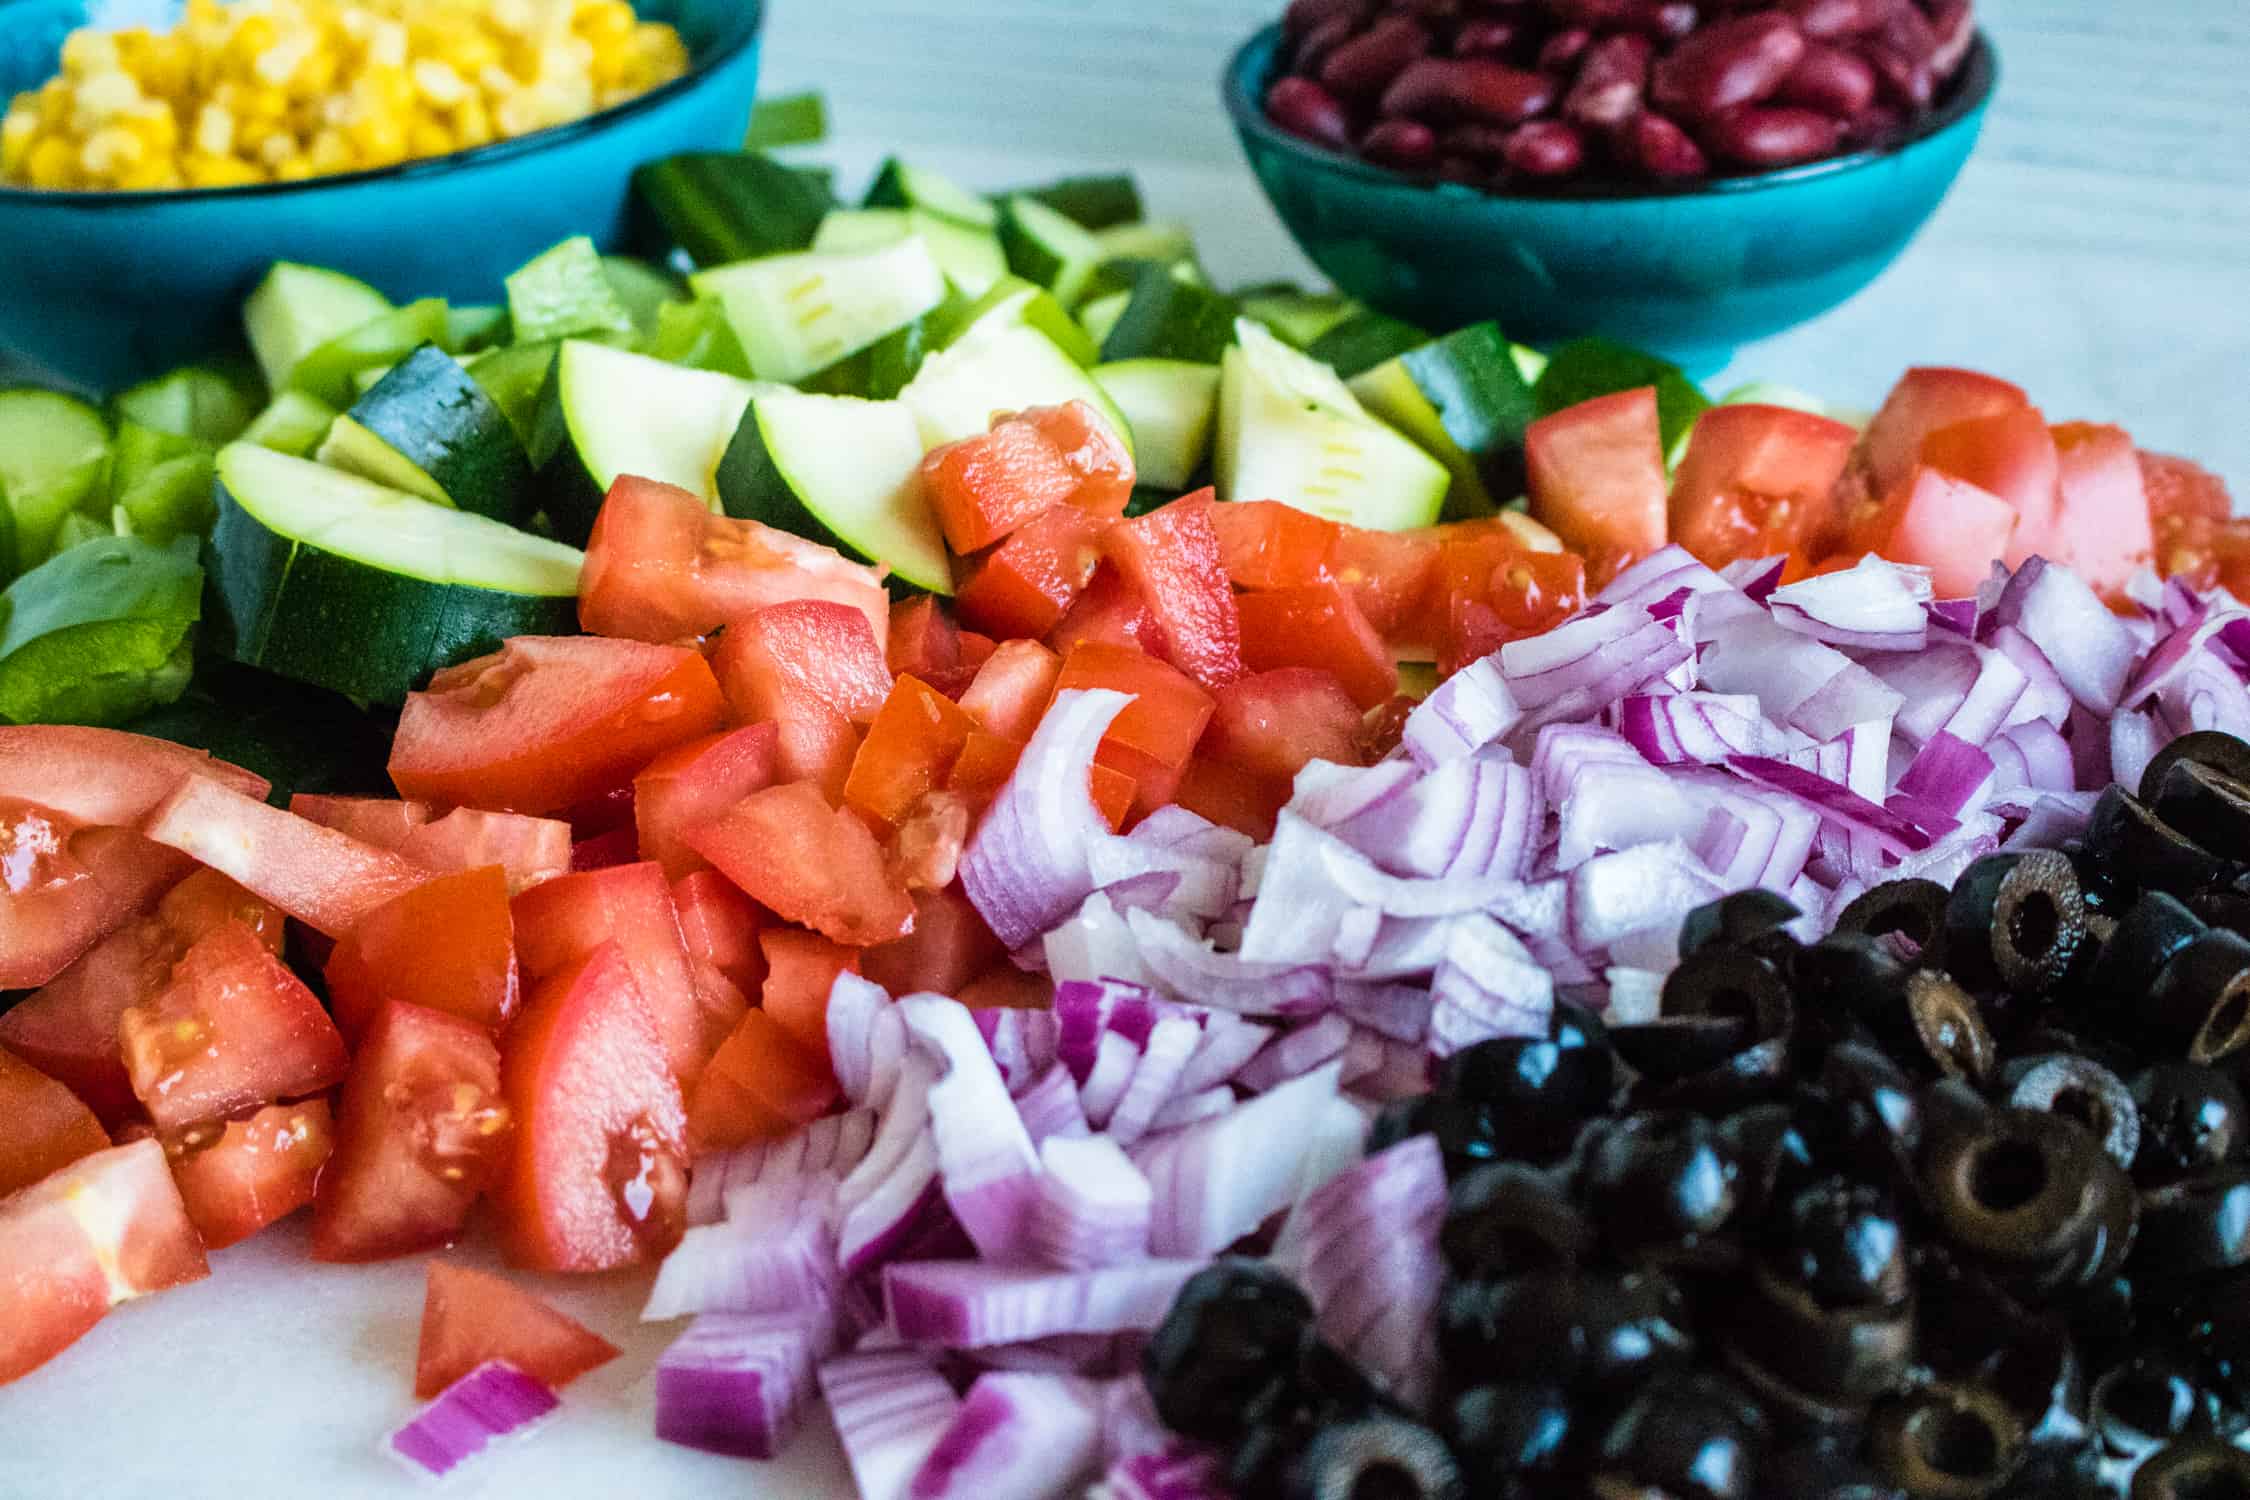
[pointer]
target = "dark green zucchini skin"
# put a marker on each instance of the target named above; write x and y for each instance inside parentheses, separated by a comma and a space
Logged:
(433, 412)
(273, 602)
(723, 206)
(1170, 319)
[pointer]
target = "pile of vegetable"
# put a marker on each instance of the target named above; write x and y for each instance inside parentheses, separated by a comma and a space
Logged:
(847, 833)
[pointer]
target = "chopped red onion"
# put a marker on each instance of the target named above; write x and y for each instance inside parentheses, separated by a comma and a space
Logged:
(1383, 1068)
(1950, 775)
(1959, 616)
(891, 1406)
(1672, 729)
(1218, 1179)
(1179, 1473)
(1093, 945)
(1797, 681)
(1186, 1109)
(1587, 663)
(1296, 1053)
(985, 1159)
(1488, 985)
(1992, 699)
(1022, 1043)
(1026, 867)
(1614, 894)
(1894, 831)
(738, 1384)
(1085, 1009)
(1349, 872)
(1050, 1107)
(1662, 573)
(1115, 1060)
(1172, 1044)
(2044, 695)
(963, 1304)
(1229, 1042)
(1398, 1011)
(1873, 606)
(1367, 1255)
(1462, 714)
(764, 1265)
(866, 1040)
(2135, 736)
(1932, 685)
(1193, 971)
(1016, 1436)
(2036, 755)
(1093, 1205)
(491, 1402)
(903, 1210)
(827, 1148)
(2090, 649)
(1615, 806)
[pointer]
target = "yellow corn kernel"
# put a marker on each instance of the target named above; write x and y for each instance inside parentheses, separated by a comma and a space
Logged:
(427, 137)
(297, 169)
(53, 164)
(19, 130)
(153, 174)
(329, 152)
(109, 151)
(218, 171)
(437, 83)
(214, 131)
(472, 123)
(100, 98)
(86, 52)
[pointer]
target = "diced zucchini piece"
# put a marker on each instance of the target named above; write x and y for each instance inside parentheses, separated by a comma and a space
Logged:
(564, 292)
(1016, 303)
(1147, 239)
(1093, 202)
(1171, 405)
(970, 257)
(1364, 340)
(1165, 318)
(1297, 318)
(429, 429)
(1046, 248)
(899, 185)
(1004, 369)
(882, 369)
(159, 484)
(1289, 430)
(796, 314)
(840, 471)
(473, 329)
(296, 309)
(645, 290)
(54, 459)
(788, 120)
(196, 401)
(1099, 315)
(697, 334)
(292, 423)
(385, 340)
(1463, 399)
(725, 206)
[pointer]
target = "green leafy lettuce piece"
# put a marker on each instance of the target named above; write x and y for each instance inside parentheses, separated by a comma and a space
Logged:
(100, 633)
(565, 292)
(790, 120)
(697, 334)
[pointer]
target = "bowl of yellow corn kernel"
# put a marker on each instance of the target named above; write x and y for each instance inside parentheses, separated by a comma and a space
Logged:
(157, 157)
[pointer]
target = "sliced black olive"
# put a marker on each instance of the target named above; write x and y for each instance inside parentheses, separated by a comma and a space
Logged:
(2060, 1471)
(1854, 972)
(2034, 1196)
(1909, 913)
(1511, 1429)
(1753, 1074)
(2156, 926)
(1697, 1438)
(1842, 1354)
(2192, 1117)
(2210, 749)
(2208, 805)
(1526, 1096)
(1586, 1330)
(1735, 921)
(1822, 1470)
(1399, 1120)
(2200, 1223)
(2223, 908)
(1862, 1115)
(1676, 1046)
(1974, 1332)
(1845, 1243)
(2015, 920)
(1947, 1441)
(2147, 1399)
(2134, 849)
(2200, 1468)
(1661, 1185)
(1952, 1107)
(1235, 1329)
(1506, 1219)
(2200, 1001)
(2081, 1089)
(1717, 1002)
(1949, 1026)
(1773, 1156)
(1378, 1456)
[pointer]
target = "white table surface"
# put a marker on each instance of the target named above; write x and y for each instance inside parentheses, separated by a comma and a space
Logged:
(2097, 250)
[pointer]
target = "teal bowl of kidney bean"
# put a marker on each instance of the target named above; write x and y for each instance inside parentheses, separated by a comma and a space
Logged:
(1568, 167)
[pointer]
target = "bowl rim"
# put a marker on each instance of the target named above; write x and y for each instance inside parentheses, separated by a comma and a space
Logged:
(1966, 97)
(746, 33)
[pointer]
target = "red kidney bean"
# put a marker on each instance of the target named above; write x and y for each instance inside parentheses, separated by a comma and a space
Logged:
(1563, 48)
(1831, 80)
(1313, 49)
(1487, 38)
(1954, 24)
(1485, 143)
(1406, 144)
(1759, 136)
(1593, 13)
(1663, 149)
(1610, 83)
(1303, 17)
(1738, 61)
(1676, 19)
(1907, 31)
(1910, 83)
(1828, 20)
(1875, 123)
(1455, 88)
(1364, 66)
(1546, 149)
(1303, 108)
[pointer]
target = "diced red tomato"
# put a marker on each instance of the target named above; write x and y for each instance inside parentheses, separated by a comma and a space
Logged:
(761, 1084)
(1390, 574)
(105, 1229)
(661, 567)
(103, 777)
(232, 1030)
(1111, 612)
(208, 900)
(448, 945)
(809, 863)
(949, 946)
(1092, 449)
(2180, 487)
(467, 838)
(1954, 529)
(1597, 479)
(1171, 557)
(1758, 481)
(1925, 399)
(925, 643)
(2010, 454)
(1272, 724)
(817, 745)
(597, 1173)
(605, 812)
(1154, 734)
(549, 721)
(1006, 987)
(1021, 588)
(722, 927)
(67, 888)
(421, 1130)
(693, 783)
(558, 924)
(1265, 544)
(1490, 589)
(606, 851)
(1232, 796)
(988, 760)
(924, 850)
(781, 658)
(801, 969)
(984, 487)
(1115, 795)
(43, 1126)
(255, 1172)
(976, 650)
(2102, 531)
(471, 1317)
(1011, 688)
(908, 750)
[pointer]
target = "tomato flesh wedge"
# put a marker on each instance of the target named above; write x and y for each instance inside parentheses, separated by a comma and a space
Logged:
(910, 747)
(467, 838)
(1490, 591)
(691, 784)
(1318, 625)
(448, 944)
(105, 1229)
(1152, 736)
(421, 1129)
(761, 1084)
(1925, 399)
(1171, 558)
(1597, 479)
(2179, 487)
(550, 721)
(1265, 544)
(471, 1317)
(1011, 688)
(720, 928)
(597, 1168)
(2011, 454)
(801, 970)
(795, 654)
(1390, 574)
(2102, 529)
(1022, 588)
(232, 1029)
(1952, 528)
(949, 946)
(43, 1125)
(1758, 481)
(104, 879)
(1232, 796)
(984, 487)
(661, 567)
(104, 777)
(808, 863)
(925, 643)
(1111, 612)
(256, 1172)
(1274, 723)
(558, 924)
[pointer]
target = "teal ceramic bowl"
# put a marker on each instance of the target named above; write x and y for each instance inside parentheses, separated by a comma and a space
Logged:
(1690, 273)
(100, 289)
